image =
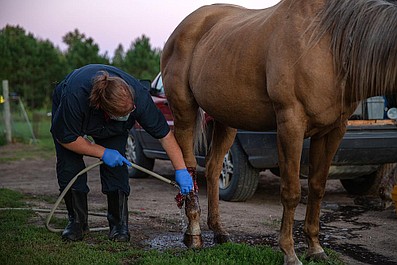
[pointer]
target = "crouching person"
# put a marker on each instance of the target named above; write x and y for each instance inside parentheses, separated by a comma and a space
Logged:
(104, 102)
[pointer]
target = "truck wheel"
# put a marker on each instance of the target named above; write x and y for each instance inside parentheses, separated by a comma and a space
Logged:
(238, 180)
(367, 184)
(134, 153)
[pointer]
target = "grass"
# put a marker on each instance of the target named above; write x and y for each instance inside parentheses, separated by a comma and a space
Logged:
(43, 146)
(25, 241)
(29, 151)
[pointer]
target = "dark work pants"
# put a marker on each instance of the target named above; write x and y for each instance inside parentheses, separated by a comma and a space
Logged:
(112, 178)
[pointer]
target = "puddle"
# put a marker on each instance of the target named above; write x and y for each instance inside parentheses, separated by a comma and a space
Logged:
(174, 240)
(329, 236)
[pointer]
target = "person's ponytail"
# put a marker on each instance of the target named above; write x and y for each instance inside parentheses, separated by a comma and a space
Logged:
(100, 83)
(111, 93)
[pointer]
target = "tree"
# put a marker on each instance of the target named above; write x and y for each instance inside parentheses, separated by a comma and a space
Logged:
(141, 60)
(118, 58)
(32, 66)
(82, 50)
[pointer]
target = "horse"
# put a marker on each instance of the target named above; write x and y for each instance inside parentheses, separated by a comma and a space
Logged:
(299, 67)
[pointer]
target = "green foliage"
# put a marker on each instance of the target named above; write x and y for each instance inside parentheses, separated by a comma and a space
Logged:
(3, 139)
(31, 65)
(82, 51)
(141, 60)
(34, 66)
(118, 58)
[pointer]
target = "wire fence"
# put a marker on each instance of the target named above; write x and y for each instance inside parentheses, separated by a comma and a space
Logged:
(26, 126)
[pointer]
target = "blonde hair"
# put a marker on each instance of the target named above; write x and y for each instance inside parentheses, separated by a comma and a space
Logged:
(111, 94)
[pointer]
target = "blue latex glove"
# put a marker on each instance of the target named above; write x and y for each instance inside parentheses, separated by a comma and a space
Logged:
(113, 158)
(184, 180)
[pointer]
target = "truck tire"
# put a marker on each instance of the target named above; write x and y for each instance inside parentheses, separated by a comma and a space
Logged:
(238, 180)
(134, 153)
(367, 184)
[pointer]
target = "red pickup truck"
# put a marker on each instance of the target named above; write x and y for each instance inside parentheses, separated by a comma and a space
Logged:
(367, 151)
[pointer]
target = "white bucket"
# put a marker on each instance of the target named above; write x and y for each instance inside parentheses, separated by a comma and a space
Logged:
(376, 108)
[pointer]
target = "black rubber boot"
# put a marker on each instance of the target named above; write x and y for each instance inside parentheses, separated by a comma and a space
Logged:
(76, 204)
(118, 216)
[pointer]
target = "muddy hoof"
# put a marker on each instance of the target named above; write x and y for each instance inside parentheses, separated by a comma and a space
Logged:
(321, 256)
(192, 241)
(221, 238)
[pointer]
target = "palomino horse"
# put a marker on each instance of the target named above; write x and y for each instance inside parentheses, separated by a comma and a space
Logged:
(300, 67)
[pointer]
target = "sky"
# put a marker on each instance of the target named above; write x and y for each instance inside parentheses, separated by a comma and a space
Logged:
(108, 23)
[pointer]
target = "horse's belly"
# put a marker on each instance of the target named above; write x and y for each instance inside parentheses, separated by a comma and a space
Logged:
(240, 114)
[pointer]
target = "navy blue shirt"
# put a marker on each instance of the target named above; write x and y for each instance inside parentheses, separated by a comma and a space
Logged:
(72, 115)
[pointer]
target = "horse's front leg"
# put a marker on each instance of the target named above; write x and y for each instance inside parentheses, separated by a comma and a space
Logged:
(192, 237)
(290, 135)
(184, 126)
(322, 150)
(222, 140)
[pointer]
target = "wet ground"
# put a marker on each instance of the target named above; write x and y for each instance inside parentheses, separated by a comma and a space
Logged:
(357, 228)
(332, 237)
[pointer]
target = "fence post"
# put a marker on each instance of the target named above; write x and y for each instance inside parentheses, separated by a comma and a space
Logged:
(7, 111)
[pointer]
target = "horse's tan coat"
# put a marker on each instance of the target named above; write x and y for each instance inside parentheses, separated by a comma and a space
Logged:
(259, 70)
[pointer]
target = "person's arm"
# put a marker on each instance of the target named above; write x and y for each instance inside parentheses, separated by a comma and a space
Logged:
(173, 151)
(182, 176)
(85, 147)
(154, 122)
(110, 157)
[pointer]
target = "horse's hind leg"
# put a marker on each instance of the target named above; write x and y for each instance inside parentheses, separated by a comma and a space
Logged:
(184, 129)
(222, 140)
(322, 150)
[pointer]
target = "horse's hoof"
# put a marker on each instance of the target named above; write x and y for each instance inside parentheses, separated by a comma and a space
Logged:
(320, 256)
(292, 261)
(193, 241)
(221, 238)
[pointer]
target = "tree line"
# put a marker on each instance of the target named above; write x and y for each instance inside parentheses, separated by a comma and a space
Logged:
(34, 66)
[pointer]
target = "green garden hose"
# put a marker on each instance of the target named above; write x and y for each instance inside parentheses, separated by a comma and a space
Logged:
(47, 222)
(53, 210)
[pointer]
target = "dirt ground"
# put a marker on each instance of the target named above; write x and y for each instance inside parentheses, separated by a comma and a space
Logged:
(354, 227)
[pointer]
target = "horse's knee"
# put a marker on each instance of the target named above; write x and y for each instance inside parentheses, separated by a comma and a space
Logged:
(290, 199)
(316, 189)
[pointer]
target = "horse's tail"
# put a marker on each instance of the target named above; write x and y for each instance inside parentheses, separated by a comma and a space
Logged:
(200, 134)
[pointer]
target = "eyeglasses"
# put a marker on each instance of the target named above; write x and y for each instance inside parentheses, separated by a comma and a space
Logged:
(122, 118)
(133, 108)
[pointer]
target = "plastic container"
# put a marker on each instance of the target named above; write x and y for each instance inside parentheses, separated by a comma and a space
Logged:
(375, 108)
